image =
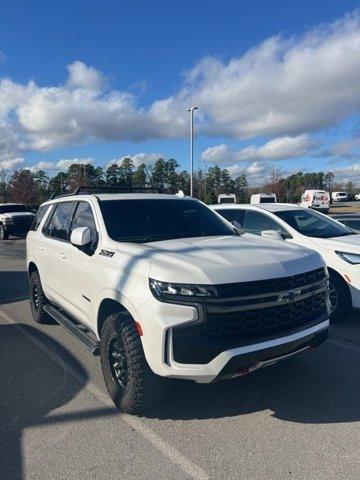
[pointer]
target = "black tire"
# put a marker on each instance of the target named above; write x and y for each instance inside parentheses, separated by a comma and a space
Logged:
(37, 299)
(131, 384)
(4, 235)
(340, 298)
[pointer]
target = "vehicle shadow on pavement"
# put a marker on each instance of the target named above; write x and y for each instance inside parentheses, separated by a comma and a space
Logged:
(33, 383)
(316, 387)
(14, 286)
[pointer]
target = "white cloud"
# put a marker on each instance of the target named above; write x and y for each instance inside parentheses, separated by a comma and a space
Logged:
(139, 158)
(348, 173)
(62, 164)
(255, 172)
(84, 77)
(11, 163)
(280, 148)
(282, 88)
(65, 163)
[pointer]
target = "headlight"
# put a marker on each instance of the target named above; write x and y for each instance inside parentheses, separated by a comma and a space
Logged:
(170, 291)
(353, 258)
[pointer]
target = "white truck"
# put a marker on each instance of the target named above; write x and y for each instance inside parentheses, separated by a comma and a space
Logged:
(161, 286)
(316, 199)
(226, 198)
(263, 198)
(15, 219)
(339, 196)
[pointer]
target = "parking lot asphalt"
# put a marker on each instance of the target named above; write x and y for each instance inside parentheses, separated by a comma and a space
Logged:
(298, 420)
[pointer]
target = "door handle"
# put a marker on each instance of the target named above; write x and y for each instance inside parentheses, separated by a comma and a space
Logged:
(62, 255)
(41, 247)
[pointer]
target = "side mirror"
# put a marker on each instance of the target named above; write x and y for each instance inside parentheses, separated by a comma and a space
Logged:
(237, 227)
(272, 235)
(80, 237)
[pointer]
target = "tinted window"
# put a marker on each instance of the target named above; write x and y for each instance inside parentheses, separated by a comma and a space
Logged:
(39, 216)
(255, 222)
(233, 215)
(13, 208)
(352, 223)
(83, 217)
(59, 223)
(155, 220)
(313, 224)
(267, 200)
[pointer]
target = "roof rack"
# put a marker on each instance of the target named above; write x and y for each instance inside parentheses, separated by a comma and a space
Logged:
(95, 190)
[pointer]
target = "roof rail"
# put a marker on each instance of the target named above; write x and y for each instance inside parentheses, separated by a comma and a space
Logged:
(80, 190)
(95, 190)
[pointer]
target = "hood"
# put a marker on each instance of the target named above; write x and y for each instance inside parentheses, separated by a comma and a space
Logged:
(215, 260)
(348, 243)
(17, 214)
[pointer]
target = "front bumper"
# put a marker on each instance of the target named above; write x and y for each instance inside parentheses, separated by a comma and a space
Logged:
(158, 321)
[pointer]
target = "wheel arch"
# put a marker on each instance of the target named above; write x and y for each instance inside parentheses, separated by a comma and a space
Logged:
(343, 281)
(32, 268)
(107, 307)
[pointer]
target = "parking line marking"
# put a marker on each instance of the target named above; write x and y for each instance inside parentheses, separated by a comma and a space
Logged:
(192, 470)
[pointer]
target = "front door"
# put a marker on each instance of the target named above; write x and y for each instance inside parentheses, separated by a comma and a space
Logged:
(76, 267)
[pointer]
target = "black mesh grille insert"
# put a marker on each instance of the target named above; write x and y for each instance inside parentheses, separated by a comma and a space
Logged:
(263, 322)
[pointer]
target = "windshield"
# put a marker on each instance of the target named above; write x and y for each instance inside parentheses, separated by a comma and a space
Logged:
(313, 224)
(155, 220)
(13, 208)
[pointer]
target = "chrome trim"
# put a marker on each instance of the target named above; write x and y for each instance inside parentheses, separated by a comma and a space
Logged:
(314, 288)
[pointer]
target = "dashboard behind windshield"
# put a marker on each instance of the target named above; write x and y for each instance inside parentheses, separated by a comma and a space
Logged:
(313, 224)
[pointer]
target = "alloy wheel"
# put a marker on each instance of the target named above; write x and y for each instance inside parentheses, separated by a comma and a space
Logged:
(118, 363)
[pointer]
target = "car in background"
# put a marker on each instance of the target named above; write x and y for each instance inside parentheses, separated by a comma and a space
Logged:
(263, 198)
(339, 197)
(352, 221)
(338, 245)
(357, 196)
(316, 199)
(15, 219)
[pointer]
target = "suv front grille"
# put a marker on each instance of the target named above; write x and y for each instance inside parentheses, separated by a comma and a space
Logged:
(24, 221)
(252, 312)
(263, 322)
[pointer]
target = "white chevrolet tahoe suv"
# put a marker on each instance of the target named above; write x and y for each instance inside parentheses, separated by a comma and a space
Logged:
(162, 286)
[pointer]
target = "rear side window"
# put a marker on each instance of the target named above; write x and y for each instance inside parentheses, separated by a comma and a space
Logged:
(39, 216)
(232, 215)
(84, 217)
(59, 224)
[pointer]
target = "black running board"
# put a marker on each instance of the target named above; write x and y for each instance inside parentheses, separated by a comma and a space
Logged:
(75, 330)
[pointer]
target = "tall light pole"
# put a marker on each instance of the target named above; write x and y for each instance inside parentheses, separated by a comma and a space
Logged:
(191, 110)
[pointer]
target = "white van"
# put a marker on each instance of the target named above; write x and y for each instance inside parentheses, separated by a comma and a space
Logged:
(263, 198)
(316, 199)
(226, 198)
(339, 196)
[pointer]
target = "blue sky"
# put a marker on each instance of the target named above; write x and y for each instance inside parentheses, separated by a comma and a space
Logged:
(275, 82)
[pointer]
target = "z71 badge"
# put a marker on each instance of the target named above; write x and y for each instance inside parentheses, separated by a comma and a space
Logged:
(107, 253)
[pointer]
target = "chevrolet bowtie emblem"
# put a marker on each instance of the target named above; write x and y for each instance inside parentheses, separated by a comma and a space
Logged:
(289, 296)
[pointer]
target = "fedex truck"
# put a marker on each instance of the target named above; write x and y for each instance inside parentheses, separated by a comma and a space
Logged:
(316, 199)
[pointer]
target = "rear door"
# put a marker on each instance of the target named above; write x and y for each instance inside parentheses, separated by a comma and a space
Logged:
(55, 236)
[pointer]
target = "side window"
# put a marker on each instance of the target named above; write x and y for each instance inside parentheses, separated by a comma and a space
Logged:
(59, 224)
(255, 222)
(39, 216)
(84, 217)
(232, 215)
